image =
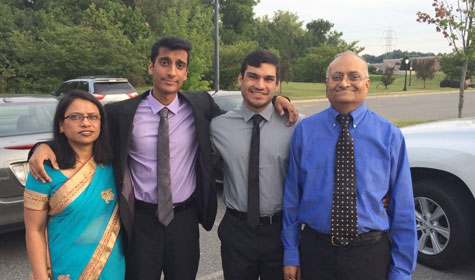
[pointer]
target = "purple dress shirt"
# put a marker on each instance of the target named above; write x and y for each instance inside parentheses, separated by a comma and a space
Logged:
(142, 156)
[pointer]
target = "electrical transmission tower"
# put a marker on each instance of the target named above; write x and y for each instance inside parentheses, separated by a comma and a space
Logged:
(389, 37)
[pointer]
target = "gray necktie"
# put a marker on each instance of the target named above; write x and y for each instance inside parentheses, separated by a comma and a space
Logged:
(164, 190)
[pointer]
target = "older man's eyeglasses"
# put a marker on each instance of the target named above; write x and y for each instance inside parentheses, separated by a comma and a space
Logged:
(79, 117)
(352, 77)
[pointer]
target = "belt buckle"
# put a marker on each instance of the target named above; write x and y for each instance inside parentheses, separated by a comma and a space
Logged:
(334, 242)
(263, 219)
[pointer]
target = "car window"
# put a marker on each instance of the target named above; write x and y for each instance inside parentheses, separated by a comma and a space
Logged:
(113, 88)
(228, 102)
(83, 85)
(66, 87)
(21, 119)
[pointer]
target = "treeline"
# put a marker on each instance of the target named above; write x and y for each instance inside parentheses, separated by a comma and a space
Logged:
(44, 42)
(396, 54)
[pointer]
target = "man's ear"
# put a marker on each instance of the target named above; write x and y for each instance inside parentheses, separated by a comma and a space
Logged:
(240, 79)
(150, 68)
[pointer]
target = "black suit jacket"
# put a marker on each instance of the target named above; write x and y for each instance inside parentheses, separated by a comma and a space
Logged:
(121, 115)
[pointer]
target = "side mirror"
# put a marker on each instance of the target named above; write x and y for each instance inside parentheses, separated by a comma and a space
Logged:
(54, 93)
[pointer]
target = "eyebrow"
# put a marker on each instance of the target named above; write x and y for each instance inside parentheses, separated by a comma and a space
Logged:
(351, 72)
(256, 75)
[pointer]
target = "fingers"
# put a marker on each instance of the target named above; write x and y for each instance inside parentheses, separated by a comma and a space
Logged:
(282, 104)
(52, 159)
(43, 152)
(278, 107)
(293, 116)
(35, 172)
(291, 272)
(386, 202)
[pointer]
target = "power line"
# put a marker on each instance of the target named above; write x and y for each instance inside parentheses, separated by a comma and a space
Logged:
(389, 37)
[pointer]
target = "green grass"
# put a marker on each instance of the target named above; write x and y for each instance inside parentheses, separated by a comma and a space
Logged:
(317, 90)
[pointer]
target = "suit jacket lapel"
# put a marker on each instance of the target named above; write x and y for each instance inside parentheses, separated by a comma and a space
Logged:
(127, 120)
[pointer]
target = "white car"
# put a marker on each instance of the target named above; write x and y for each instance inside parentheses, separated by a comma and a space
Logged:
(442, 159)
(24, 120)
(106, 89)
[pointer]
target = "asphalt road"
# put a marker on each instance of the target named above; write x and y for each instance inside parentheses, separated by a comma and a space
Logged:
(400, 107)
(14, 261)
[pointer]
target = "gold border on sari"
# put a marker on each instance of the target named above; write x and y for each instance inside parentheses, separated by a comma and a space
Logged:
(35, 200)
(72, 188)
(99, 259)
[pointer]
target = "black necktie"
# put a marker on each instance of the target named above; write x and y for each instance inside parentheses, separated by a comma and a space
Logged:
(164, 188)
(253, 175)
(344, 219)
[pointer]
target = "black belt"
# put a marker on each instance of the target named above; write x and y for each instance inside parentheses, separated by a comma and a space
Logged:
(263, 220)
(363, 239)
(152, 207)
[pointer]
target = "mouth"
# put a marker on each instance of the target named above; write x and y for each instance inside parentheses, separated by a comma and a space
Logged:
(169, 82)
(257, 93)
(342, 91)
(86, 133)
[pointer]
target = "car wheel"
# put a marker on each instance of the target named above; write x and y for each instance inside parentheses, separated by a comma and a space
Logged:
(445, 229)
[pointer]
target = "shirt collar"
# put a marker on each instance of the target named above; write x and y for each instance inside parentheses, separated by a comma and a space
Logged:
(248, 114)
(156, 106)
(357, 115)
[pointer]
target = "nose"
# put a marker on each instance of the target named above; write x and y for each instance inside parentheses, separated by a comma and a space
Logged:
(171, 70)
(259, 83)
(85, 122)
(345, 82)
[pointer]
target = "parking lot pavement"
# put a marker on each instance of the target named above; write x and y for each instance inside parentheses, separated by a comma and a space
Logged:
(14, 264)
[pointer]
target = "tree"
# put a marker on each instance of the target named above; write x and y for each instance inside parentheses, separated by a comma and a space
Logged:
(237, 17)
(457, 27)
(388, 77)
(451, 65)
(230, 57)
(317, 32)
(312, 66)
(425, 69)
(285, 34)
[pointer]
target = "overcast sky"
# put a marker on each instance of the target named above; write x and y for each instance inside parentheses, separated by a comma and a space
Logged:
(367, 20)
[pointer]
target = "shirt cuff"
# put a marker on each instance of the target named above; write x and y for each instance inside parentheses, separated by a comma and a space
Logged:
(397, 275)
(291, 257)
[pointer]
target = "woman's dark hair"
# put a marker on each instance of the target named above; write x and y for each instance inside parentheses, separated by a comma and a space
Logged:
(65, 154)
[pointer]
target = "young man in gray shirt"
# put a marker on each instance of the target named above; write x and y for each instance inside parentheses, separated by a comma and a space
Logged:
(253, 142)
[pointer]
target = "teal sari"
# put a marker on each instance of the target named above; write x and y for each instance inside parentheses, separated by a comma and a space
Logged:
(83, 222)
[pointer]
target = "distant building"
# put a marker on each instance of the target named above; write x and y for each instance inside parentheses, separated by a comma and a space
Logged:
(396, 63)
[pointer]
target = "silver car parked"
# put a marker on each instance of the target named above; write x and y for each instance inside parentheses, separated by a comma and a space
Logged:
(24, 120)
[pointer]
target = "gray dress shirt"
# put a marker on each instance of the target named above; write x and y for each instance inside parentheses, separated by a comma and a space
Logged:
(231, 140)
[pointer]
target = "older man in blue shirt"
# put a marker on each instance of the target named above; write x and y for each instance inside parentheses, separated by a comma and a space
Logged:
(325, 178)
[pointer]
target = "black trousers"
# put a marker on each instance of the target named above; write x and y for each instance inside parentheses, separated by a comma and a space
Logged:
(321, 260)
(248, 254)
(154, 248)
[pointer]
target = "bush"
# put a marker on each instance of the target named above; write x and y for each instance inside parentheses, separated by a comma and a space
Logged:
(445, 83)
(372, 69)
(455, 84)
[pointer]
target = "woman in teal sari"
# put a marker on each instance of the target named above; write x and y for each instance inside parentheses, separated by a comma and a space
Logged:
(72, 223)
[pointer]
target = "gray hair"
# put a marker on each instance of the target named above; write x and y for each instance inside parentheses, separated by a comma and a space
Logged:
(346, 53)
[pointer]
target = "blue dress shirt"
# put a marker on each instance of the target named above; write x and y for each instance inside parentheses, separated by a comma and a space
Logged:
(381, 168)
